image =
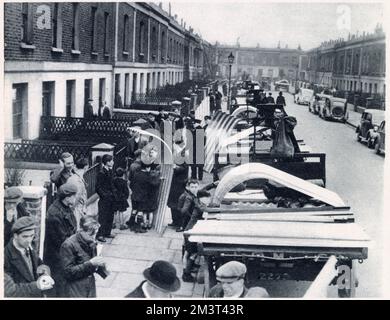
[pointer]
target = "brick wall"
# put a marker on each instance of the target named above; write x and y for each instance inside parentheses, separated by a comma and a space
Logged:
(42, 38)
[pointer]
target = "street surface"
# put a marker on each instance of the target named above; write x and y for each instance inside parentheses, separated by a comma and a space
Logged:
(356, 174)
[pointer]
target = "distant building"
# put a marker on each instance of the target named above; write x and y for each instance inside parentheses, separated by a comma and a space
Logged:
(59, 55)
(259, 63)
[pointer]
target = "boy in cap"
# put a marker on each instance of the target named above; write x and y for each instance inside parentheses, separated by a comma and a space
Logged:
(60, 225)
(231, 278)
(161, 281)
(24, 273)
(13, 209)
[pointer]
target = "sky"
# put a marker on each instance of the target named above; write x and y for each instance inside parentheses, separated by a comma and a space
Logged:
(266, 23)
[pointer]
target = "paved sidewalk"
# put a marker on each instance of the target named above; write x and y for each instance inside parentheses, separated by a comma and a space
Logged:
(129, 253)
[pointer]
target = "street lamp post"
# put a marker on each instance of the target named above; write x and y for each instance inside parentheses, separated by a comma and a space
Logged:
(230, 60)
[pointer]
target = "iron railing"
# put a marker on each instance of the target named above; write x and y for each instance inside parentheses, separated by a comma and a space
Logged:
(80, 129)
(43, 151)
(90, 177)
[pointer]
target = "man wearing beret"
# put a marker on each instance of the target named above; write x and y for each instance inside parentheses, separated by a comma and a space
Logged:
(60, 225)
(24, 273)
(13, 210)
(231, 278)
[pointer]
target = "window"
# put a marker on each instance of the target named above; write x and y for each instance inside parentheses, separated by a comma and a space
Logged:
(75, 28)
(141, 38)
(70, 97)
(125, 33)
(154, 43)
(48, 98)
(127, 84)
(57, 25)
(87, 90)
(27, 24)
(102, 91)
(106, 33)
(94, 29)
(19, 107)
(163, 46)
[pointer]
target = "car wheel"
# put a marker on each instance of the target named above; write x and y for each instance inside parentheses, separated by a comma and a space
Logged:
(377, 149)
(358, 137)
(370, 143)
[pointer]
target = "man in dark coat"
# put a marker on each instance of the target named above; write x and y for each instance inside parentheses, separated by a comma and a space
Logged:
(270, 98)
(212, 101)
(66, 168)
(60, 225)
(13, 210)
(88, 110)
(161, 281)
(22, 267)
(218, 100)
(104, 189)
(80, 261)
(280, 99)
(179, 179)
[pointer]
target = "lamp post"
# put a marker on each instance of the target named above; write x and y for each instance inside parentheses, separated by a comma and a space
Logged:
(230, 60)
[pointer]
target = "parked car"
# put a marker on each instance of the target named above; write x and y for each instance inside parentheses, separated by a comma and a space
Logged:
(304, 96)
(377, 138)
(369, 124)
(282, 84)
(332, 108)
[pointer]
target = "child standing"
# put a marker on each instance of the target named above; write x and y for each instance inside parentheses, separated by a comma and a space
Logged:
(121, 194)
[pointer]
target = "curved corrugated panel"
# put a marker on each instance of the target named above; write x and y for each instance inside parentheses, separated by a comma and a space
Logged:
(250, 171)
(243, 109)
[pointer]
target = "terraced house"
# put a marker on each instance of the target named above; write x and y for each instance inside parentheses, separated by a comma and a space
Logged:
(60, 55)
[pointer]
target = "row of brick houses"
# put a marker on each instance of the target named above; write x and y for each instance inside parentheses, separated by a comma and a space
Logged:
(59, 55)
(357, 64)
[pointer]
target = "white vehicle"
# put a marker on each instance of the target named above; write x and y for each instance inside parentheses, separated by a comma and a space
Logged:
(304, 96)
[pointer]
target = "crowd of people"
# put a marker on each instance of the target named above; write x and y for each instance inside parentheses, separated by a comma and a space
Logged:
(74, 237)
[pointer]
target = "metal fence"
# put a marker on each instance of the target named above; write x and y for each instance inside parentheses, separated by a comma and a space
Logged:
(80, 129)
(43, 151)
(90, 177)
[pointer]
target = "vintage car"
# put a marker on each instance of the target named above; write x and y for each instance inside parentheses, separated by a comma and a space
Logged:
(304, 96)
(332, 108)
(377, 138)
(282, 84)
(369, 124)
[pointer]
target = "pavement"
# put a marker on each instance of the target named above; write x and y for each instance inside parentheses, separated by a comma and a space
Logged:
(354, 117)
(128, 254)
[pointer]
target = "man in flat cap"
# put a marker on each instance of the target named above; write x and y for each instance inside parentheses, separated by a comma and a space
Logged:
(60, 225)
(65, 169)
(13, 209)
(231, 278)
(24, 273)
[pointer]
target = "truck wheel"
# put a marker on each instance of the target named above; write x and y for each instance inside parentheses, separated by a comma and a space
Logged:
(358, 137)
(377, 149)
(370, 143)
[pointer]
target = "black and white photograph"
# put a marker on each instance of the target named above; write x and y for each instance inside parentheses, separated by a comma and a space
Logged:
(194, 150)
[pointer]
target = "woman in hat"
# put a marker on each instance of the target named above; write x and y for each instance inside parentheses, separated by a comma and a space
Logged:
(160, 281)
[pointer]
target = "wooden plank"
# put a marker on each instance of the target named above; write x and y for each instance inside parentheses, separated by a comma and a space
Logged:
(281, 242)
(279, 229)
